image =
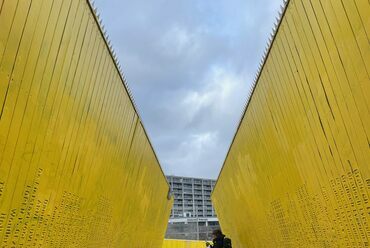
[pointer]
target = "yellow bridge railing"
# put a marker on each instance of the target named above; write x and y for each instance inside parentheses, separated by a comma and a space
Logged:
(172, 243)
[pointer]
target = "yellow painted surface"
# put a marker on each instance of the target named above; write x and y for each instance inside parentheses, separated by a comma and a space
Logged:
(76, 166)
(172, 243)
(298, 171)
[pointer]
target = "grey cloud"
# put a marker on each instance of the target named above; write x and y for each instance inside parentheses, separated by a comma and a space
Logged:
(189, 64)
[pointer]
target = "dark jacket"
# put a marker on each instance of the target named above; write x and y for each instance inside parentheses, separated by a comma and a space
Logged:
(218, 242)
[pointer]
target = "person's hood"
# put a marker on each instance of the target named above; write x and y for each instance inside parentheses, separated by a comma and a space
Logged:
(220, 237)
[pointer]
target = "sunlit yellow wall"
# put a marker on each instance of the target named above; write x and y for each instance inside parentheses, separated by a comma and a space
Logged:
(171, 243)
(298, 171)
(76, 167)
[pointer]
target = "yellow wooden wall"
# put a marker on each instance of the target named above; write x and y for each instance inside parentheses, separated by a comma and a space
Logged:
(172, 243)
(76, 166)
(298, 171)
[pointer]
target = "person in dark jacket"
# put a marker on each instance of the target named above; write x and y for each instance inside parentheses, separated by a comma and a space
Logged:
(218, 239)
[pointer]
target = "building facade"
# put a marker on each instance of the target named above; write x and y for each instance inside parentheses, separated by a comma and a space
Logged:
(192, 215)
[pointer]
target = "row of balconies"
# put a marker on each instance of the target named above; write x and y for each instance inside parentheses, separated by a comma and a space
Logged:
(191, 198)
(174, 189)
(191, 190)
(189, 209)
(190, 185)
(193, 215)
(181, 203)
(199, 206)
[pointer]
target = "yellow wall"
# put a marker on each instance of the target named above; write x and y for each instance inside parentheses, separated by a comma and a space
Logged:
(76, 166)
(171, 243)
(298, 171)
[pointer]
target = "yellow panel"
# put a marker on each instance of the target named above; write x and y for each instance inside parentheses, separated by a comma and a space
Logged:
(297, 173)
(76, 166)
(171, 243)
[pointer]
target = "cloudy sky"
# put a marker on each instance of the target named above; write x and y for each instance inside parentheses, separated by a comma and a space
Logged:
(190, 64)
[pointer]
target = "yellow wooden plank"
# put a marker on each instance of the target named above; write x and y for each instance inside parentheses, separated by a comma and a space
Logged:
(171, 243)
(363, 8)
(7, 16)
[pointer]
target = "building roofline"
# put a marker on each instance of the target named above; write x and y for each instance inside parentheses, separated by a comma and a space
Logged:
(198, 178)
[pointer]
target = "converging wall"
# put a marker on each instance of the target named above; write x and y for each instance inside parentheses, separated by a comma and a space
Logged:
(76, 166)
(298, 171)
